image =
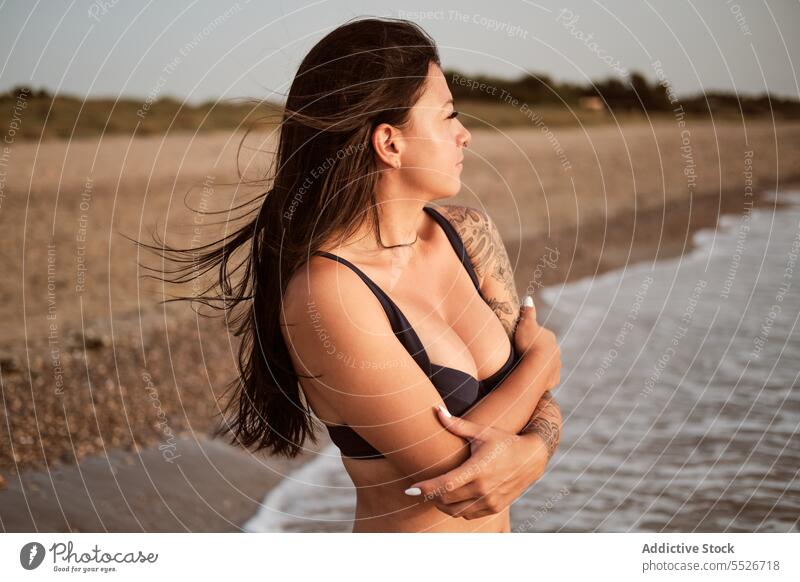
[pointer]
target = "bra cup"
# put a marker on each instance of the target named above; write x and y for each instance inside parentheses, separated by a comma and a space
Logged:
(489, 384)
(458, 389)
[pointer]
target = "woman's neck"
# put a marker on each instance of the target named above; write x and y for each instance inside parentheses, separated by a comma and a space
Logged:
(402, 226)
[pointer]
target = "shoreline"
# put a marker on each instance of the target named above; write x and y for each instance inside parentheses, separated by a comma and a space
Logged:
(625, 238)
(139, 490)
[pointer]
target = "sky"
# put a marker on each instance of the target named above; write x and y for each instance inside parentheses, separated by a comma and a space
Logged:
(204, 50)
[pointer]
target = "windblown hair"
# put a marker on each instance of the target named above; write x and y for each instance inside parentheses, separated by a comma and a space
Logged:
(364, 73)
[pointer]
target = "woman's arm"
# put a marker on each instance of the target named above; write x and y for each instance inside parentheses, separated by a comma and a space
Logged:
(512, 403)
(546, 423)
(485, 485)
(489, 257)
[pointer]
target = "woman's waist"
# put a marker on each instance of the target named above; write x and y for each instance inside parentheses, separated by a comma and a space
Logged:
(422, 517)
(382, 505)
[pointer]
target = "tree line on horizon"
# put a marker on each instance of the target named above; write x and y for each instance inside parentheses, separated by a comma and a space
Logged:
(637, 95)
(39, 114)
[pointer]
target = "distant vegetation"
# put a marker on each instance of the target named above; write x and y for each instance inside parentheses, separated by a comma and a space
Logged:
(599, 100)
(483, 101)
(48, 116)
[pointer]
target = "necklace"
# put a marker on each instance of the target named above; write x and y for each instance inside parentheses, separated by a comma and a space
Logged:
(400, 245)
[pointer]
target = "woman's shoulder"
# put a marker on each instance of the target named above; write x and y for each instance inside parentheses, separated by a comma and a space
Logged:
(465, 217)
(478, 232)
(328, 308)
(321, 280)
(477, 229)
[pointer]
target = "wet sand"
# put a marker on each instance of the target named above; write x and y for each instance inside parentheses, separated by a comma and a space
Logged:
(208, 487)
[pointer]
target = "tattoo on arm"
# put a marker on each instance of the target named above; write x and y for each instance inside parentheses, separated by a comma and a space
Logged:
(488, 254)
(546, 422)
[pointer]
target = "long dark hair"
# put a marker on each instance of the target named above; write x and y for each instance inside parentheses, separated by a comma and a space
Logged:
(366, 72)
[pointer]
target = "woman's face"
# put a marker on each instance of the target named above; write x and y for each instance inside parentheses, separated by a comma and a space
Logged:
(433, 144)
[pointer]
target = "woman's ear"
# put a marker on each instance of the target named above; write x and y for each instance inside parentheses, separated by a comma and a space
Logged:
(387, 143)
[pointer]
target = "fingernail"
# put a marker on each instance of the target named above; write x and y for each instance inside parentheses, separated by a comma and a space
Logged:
(413, 491)
(527, 301)
(444, 410)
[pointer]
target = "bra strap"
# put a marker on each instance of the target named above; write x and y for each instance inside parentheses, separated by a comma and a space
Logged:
(385, 301)
(456, 242)
(400, 325)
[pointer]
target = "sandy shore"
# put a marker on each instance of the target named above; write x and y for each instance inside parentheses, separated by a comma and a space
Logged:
(119, 385)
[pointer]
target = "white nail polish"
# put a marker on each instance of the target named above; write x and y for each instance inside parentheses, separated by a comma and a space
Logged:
(413, 491)
(527, 301)
(444, 410)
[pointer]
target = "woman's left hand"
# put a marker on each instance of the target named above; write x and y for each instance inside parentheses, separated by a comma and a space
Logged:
(501, 467)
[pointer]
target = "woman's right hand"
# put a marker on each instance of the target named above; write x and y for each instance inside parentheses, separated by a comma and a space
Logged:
(532, 339)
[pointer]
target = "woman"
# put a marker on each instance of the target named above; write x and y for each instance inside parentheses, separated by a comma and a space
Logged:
(370, 308)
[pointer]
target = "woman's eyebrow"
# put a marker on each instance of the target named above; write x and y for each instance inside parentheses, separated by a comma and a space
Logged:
(446, 102)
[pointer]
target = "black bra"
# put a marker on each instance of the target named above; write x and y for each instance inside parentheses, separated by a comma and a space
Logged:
(458, 389)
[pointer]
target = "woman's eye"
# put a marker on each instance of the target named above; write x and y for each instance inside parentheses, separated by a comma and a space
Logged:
(452, 115)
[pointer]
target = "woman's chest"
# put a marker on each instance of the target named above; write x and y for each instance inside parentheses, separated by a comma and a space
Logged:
(454, 324)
